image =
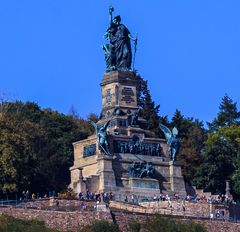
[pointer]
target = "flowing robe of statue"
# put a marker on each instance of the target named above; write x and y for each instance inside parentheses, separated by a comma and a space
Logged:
(118, 53)
(119, 39)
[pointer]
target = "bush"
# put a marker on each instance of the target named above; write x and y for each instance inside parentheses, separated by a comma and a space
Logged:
(160, 223)
(101, 226)
(134, 226)
(11, 224)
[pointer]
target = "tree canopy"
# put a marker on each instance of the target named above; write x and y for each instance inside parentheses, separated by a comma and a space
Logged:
(221, 151)
(36, 147)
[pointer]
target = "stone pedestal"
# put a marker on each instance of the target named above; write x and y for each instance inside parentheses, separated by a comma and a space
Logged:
(107, 180)
(79, 185)
(119, 89)
(176, 179)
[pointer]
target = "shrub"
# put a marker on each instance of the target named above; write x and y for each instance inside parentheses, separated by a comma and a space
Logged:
(11, 224)
(134, 226)
(101, 226)
(159, 223)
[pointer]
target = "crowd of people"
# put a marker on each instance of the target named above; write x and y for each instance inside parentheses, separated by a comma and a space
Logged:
(134, 199)
(103, 196)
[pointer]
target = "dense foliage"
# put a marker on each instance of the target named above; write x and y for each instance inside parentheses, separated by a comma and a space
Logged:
(191, 135)
(36, 147)
(221, 154)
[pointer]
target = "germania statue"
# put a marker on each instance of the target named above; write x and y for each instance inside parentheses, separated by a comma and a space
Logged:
(118, 53)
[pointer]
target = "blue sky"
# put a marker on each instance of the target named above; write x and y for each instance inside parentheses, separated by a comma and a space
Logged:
(189, 51)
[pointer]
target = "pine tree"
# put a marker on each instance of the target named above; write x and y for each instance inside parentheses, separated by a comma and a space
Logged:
(148, 110)
(221, 151)
(228, 114)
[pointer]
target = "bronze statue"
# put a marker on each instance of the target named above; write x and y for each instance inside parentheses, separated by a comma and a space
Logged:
(172, 141)
(118, 53)
(102, 135)
(141, 170)
(132, 118)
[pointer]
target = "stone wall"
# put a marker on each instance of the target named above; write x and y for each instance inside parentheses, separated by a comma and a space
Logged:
(122, 215)
(57, 219)
(123, 219)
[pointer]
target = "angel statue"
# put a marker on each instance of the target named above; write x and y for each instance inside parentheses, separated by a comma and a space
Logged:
(172, 141)
(101, 131)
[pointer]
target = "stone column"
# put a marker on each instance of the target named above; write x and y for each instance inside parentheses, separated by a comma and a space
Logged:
(227, 189)
(81, 185)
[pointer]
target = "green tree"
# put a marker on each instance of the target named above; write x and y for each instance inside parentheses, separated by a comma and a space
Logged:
(148, 110)
(228, 114)
(235, 178)
(36, 147)
(221, 151)
(191, 136)
(220, 159)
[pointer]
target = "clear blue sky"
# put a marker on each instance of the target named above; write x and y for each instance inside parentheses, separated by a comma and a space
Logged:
(189, 51)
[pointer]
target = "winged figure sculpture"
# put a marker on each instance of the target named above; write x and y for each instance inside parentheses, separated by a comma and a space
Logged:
(172, 140)
(101, 131)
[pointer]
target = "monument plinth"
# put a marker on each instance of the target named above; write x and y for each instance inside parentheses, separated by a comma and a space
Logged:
(123, 156)
(119, 90)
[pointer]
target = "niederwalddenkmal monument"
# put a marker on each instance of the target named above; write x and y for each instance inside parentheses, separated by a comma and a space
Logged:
(122, 156)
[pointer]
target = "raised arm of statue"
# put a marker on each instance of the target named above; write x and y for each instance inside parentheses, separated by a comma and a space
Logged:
(111, 9)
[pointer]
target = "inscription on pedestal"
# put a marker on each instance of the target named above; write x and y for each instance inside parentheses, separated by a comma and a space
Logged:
(108, 96)
(127, 95)
(144, 183)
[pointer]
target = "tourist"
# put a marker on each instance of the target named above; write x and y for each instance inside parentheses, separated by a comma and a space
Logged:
(57, 203)
(80, 196)
(33, 196)
(132, 198)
